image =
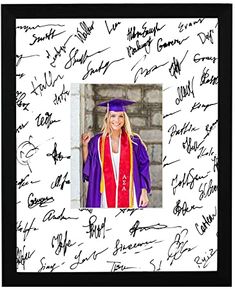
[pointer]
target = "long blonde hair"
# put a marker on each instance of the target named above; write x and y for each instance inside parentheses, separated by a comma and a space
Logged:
(106, 128)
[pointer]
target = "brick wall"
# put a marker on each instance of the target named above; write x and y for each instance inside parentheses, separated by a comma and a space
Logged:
(145, 117)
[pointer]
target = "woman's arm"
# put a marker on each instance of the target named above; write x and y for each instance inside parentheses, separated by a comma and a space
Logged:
(84, 152)
(85, 140)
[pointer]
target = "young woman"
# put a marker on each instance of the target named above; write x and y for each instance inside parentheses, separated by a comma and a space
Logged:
(116, 163)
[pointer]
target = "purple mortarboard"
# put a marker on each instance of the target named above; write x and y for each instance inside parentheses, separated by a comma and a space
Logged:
(116, 105)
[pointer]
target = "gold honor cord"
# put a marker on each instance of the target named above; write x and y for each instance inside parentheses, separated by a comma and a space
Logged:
(131, 175)
(102, 139)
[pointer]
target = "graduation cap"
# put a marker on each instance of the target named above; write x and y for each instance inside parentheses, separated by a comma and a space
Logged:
(116, 105)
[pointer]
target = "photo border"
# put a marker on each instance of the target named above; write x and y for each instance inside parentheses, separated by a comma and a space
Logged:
(10, 12)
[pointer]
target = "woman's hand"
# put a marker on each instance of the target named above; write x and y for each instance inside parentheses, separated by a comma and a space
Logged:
(144, 200)
(86, 137)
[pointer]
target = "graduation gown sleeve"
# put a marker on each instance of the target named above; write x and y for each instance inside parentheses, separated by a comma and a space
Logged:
(87, 165)
(142, 164)
(92, 173)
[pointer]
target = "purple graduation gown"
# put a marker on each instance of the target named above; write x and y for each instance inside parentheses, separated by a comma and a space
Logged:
(92, 170)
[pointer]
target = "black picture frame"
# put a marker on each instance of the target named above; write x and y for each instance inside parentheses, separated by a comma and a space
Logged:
(221, 277)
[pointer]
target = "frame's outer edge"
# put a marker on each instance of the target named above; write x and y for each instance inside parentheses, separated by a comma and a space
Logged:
(225, 146)
(9, 275)
(8, 146)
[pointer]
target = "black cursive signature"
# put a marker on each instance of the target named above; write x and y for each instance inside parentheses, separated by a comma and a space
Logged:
(48, 82)
(206, 189)
(177, 248)
(86, 30)
(20, 57)
(188, 179)
(41, 202)
(62, 243)
(22, 126)
(118, 266)
(102, 67)
(59, 183)
(122, 248)
(27, 28)
(161, 45)
(57, 156)
(146, 45)
(25, 151)
(182, 27)
(207, 220)
(26, 229)
(61, 97)
(205, 260)
(133, 33)
(20, 96)
(24, 182)
(96, 230)
(146, 71)
(113, 26)
(48, 36)
(130, 211)
(206, 36)
(184, 91)
(175, 67)
(45, 120)
(22, 257)
(81, 260)
(209, 128)
(133, 230)
(198, 105)
(45, 266)
(174, 131)
(178, 209)
(207, 79)
(197, 58)
(73, 59)
(189, 145)
(50, 215)
(58, 52)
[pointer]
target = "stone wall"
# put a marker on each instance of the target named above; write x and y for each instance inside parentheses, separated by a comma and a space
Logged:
(145, 117)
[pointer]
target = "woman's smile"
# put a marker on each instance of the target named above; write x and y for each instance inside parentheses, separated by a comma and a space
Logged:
(116, 120)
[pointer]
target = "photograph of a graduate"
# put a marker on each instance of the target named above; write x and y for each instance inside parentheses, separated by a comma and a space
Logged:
(116, 162)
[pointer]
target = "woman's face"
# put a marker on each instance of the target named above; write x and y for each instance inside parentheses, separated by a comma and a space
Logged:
(116, 120)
